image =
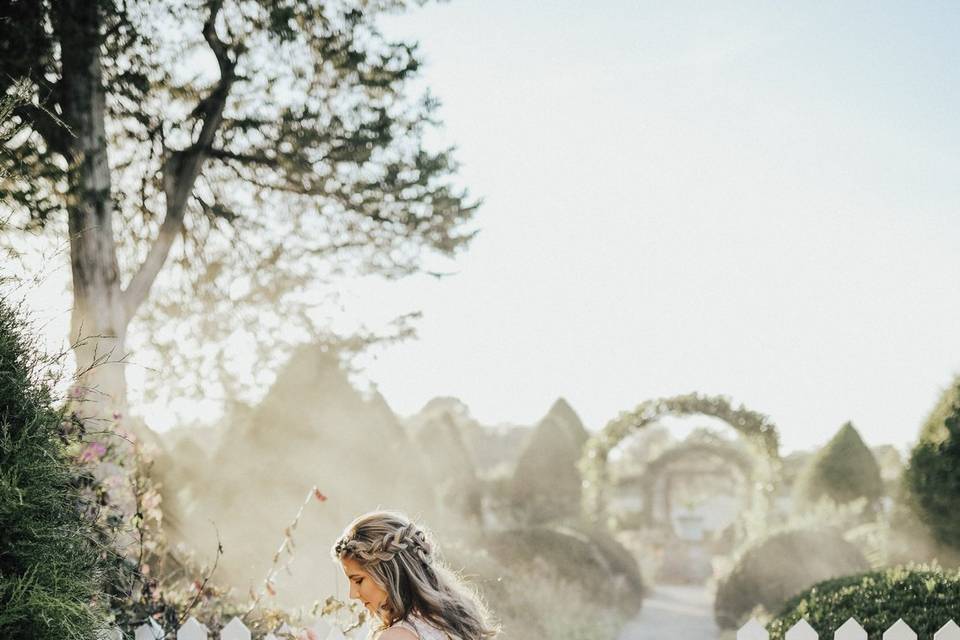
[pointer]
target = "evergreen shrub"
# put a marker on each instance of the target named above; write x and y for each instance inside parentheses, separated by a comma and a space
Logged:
(572, 557)
(932, 478)
(531, 600)
(50, 566)
(842, 471)
(776, 568)
(546, 484)
(924, 597)
(622, 562)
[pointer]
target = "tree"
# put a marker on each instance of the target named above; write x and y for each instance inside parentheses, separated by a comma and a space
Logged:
(274, 137)
(842, 471)
(931, 477)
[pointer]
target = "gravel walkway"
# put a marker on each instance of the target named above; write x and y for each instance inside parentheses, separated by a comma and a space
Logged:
(674, 613)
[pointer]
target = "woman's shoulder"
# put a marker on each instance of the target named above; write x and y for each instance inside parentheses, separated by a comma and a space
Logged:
(421, 628)
(401, 630)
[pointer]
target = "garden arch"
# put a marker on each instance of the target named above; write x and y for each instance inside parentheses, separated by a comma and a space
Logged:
(757, 429)
(650, 480)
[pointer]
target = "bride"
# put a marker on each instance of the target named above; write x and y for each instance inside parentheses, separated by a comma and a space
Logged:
(392, 570)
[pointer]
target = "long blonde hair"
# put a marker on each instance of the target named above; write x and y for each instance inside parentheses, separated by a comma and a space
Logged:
(400, 557)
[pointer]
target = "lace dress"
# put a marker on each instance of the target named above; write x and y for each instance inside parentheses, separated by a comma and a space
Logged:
(422, 628)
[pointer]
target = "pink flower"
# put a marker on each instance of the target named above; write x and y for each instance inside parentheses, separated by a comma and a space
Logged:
(93, 452)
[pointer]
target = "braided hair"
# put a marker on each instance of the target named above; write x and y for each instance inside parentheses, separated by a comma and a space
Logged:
(400, 557)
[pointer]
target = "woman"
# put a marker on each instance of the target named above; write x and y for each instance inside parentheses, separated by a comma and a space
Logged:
(392, 570)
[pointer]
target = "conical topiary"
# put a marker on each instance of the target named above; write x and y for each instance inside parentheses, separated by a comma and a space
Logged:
(842, 471)
(546, 481)
(50, 568)
(562, 412)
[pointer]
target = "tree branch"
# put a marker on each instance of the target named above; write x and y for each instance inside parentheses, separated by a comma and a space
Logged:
(182, 167)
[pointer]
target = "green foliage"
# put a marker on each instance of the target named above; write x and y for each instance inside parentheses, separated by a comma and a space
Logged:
(756, 427)
(50, 568)
(572, 557)
(532, 599)
(842, 471)
(932, 478)
(924, 597)
(562, 412)
(453, 473)
(934, 428)
(293, 154)
(546, 483)
(621, 561)
(774, 569)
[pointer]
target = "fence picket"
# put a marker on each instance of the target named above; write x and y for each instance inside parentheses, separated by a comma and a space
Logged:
(149, 630)
(900, 631)
(113, 633)
(801, 631)
(753, 630)
(949, 631)
(192, 629)
(850, 630)
(235, 630)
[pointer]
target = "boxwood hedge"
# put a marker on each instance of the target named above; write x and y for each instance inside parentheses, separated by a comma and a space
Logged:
(925, 597)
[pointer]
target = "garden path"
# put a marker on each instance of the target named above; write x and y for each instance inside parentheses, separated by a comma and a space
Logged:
(683, 612)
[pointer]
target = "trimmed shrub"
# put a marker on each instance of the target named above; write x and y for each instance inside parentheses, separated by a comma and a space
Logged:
(572, 557)
(773, 570)
(931, 477)
(531, 600)
(621, 561)
(924, 597)
(562, 412)
(842, 471)
(50, 568)
(546, 483)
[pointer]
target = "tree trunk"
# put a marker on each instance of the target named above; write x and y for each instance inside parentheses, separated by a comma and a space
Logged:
(99, 321)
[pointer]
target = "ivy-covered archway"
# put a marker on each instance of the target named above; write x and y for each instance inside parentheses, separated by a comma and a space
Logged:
(727, 452)
(757, 429)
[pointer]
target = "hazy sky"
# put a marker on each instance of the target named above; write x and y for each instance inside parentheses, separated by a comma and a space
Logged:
(751, 199)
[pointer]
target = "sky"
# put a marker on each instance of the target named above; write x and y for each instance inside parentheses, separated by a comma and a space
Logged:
(756, 200)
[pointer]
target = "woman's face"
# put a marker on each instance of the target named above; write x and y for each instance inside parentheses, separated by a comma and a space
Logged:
(364, 588)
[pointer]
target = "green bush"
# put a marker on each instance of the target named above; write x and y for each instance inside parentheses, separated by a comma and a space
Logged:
(842, 471)
(532, 600)
(50, 568)
(621, 561)
(573, 557)
(931, 477)
(546, 485)
(925, 598)
(934, 427)
(771, 571)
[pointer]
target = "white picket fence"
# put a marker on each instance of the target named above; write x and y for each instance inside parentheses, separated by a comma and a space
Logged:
(193, 629)
(850, 630)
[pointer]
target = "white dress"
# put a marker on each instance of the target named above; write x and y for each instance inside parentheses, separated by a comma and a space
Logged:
(423, 628)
